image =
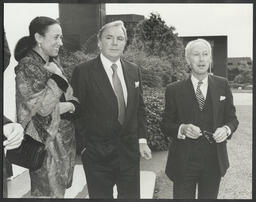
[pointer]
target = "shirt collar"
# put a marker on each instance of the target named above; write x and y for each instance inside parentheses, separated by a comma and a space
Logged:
(195, 81)
(107, 63)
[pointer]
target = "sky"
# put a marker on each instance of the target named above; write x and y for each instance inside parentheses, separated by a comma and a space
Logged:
(233, 20)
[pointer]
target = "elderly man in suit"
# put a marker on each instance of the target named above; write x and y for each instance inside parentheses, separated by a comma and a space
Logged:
(111, 128)
(200, 117)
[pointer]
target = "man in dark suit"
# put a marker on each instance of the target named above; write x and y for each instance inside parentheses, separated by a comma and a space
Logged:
(200, 116)
(111, 128)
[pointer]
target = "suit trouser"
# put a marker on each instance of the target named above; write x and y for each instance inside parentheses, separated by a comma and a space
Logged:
(202, 169)
(101, 178)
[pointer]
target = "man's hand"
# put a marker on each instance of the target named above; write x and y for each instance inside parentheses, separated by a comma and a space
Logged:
(14, 134)
(191, 131)
(145, 152)
(220, 134)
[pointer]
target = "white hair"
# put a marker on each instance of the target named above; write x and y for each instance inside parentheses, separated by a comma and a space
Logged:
(116, 23)
(190, 45)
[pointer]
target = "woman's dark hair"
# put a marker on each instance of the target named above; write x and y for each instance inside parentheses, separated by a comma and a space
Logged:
(37, 25)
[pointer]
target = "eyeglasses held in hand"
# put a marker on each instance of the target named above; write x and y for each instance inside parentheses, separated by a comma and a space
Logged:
(208, 136)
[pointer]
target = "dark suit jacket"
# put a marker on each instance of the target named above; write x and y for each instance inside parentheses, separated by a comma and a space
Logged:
(179, 109)
(97, 128)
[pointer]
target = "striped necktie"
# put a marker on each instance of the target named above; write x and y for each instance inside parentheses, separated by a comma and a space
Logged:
(199, 96)
(119, 94)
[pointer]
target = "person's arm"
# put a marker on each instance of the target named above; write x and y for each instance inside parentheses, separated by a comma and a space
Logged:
(81, 94)
(145, 151)
(169, 125)
(230, 120)
(71, 106)
(36, 92)
(142, 134)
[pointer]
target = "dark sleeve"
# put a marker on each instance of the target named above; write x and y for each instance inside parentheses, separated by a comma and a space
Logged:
(169, 125)
(141, 112)
(61, 83)
(80, 93)
(7, 53)
(75, 83)
(230, 118)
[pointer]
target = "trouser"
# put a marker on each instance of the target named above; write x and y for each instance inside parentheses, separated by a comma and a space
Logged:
(101, 178)
(202, 170)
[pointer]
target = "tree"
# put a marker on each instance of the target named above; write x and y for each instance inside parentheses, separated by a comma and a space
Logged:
(158, 50)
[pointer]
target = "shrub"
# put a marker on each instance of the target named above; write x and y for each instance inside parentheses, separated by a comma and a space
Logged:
(154, 101)
(244, 77)
(69, 60)
(158, 50)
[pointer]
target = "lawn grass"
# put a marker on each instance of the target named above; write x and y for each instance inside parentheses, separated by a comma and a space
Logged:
(237, 183)
(241, 90)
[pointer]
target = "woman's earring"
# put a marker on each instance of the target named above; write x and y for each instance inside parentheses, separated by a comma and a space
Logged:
(39, 45)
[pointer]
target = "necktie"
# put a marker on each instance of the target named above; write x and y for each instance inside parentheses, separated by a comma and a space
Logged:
(199, 96)
(119, 94)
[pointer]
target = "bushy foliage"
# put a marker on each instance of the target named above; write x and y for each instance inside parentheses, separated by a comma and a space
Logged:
(158, 50)
(241, 74)
(69, 60)
(154, 101)
(244, 77)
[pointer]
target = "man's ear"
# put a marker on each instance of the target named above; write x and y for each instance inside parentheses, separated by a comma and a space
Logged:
(188, 62)
(99, 45)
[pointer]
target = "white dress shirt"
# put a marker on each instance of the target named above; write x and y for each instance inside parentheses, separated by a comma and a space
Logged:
(204, 89)
(107, 66)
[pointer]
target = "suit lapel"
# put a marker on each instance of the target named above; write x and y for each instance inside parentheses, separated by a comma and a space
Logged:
(129, 81)
(187, 99)
(214, 97)
(104, 85)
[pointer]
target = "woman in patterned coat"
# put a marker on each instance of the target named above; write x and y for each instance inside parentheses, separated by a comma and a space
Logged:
(46, 106)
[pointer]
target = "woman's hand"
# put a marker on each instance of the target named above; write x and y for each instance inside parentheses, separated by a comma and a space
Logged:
(66, 107)
(53, 68)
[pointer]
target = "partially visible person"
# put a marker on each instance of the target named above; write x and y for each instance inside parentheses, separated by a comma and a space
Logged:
(200, 116)
(7, 53)
(46, 105)
(13, 132)
(112, 120)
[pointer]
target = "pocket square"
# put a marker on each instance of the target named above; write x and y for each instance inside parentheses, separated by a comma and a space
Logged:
(222, 98)
(137, 84)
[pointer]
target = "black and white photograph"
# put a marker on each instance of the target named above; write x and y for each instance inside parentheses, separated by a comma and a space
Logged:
(127, 100)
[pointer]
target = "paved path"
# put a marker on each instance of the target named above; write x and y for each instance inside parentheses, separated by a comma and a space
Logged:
(242, 98)
(20, 185)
